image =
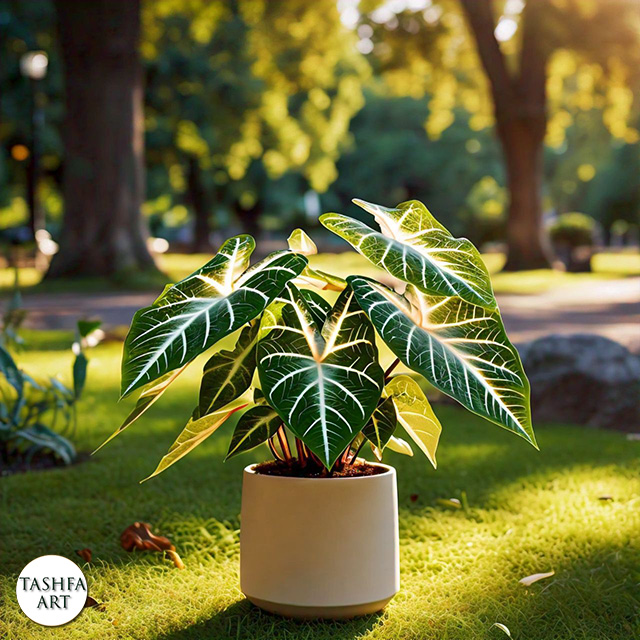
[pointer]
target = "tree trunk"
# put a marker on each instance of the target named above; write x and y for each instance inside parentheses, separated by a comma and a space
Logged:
(249, 219)
(198, 200)
(527, 242)
(103, 183)
(519, 104)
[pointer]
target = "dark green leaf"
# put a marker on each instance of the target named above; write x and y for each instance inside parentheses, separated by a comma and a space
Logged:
(10, 371)
(324, 384)
(462, 349)
(382, 424)
(227, 374)
(85, 327)
(79, 374)
(194, 314)
(413, 246)
(318, 307)
(256, 426)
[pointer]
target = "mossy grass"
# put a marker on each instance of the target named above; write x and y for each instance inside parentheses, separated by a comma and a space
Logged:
(521, 512)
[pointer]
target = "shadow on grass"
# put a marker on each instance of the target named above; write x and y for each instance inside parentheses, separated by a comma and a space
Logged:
(447, 591)
(242, 617)
(593, 597)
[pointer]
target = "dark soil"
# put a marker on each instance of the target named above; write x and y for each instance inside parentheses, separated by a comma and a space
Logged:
(42, 462)
(294, 470)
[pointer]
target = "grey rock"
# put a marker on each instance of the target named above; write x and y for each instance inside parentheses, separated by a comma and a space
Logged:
(583, 379)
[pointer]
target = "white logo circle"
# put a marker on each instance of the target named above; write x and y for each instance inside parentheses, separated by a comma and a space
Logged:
(51, 590)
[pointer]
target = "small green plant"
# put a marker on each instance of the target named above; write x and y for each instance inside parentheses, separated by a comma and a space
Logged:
(12, 318)
(573, 230)
(310, 369)
(573, 237)
(36, 414)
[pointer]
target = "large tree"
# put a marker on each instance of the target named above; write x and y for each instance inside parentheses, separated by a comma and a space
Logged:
(242, 92)
(501, 66)
(103, 185)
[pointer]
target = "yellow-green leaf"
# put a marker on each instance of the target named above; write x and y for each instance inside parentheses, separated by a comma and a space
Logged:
(148, 396)
(300, 242)
(415, 414)
(196, 432)
(399, 446)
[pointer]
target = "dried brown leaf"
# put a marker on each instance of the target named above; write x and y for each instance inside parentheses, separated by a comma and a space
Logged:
(139, 537)
(91, 603)
(85, 554)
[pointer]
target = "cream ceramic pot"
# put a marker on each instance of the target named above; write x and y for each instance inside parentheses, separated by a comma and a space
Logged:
(319, 547)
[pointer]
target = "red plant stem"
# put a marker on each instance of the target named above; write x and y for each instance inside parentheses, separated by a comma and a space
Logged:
(302, 456)
(390, 369)
(284, 443)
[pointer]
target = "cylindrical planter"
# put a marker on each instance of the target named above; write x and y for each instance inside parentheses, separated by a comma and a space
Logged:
(319, 547)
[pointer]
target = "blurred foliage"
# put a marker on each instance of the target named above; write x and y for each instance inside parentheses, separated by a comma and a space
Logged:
(573, 230)
(251, 105)
(573, 236)
(239, 94)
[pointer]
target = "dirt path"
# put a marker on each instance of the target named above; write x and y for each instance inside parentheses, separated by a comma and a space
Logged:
(609, 308)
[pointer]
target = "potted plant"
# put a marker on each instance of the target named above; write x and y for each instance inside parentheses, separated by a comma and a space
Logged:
(319, 533)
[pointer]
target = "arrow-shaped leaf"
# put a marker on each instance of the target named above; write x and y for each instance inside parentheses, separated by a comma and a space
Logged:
(227, 374)
(461, 348)
(415, 414)
(325, 383)
(255, 426)
(195, 432)
(194, 314)
(413, 246)
(148, 396)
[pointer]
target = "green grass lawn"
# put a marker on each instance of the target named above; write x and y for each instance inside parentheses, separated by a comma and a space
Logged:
(179, 265)
(527, 512)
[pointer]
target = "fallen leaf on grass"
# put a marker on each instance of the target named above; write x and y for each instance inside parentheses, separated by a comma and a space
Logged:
(529, 580)
(91, 603)
(85, 554)
(454, 503)
(413, 497)
(139, 536)
(502, 627)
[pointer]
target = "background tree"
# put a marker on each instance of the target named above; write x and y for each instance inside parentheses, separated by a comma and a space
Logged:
(522, 89)
(240, 94)
(102, 234)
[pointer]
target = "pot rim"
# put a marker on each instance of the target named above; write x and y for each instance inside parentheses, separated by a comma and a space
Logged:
(388, 471)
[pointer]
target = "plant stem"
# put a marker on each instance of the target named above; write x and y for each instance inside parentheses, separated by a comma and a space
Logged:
(356, 452)
(284, 444)
(302, 456)
(274, 451)
(389, 371)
